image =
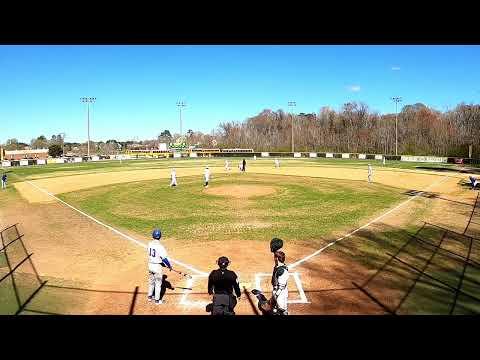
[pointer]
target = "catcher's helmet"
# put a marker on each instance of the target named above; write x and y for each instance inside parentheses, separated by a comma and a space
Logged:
(276, 244)
(157, 234)
(223, 262)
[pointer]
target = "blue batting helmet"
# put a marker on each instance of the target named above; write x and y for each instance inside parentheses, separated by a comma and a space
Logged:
(157, 234)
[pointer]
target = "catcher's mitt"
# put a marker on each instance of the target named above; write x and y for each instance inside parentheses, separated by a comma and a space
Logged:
(276, 244)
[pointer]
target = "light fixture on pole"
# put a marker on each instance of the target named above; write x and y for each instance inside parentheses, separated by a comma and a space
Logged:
(88, 100)
(292, 104)
(63, 143)
(396, 100)
(180, 105)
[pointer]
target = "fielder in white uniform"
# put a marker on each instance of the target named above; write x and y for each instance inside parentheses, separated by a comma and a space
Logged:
(280, 283)
(370, 173)
(206, 174)
(173, 176)
(277, 163)
(157, 258)
(384, 161)
(227, 165)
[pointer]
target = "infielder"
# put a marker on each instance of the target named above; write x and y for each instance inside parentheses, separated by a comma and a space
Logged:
(279, 284)
(206, 174)
(384, 161)
(370, 173)
(157, 258)
(277, 163)
(4, 181)
(227, 165)
(173, 176)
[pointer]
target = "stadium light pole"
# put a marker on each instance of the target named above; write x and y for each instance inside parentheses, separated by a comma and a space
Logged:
(396, 100)
(88, 100)
(292, 104)
(63, 143)
(180, 105)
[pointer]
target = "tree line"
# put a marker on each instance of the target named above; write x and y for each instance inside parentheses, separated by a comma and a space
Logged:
(357, 129)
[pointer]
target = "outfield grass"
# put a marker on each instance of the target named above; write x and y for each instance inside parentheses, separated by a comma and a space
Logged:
(303, 209)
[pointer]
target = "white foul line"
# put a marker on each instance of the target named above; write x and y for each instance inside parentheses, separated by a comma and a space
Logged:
(112, 229)
(291, 266)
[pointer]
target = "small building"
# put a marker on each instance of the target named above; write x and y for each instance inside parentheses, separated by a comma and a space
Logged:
(26, 154)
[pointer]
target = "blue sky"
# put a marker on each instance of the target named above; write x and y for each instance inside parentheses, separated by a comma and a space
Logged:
(137, 87)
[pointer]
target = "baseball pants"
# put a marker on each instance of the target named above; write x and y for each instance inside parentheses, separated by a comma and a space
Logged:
(154, 284)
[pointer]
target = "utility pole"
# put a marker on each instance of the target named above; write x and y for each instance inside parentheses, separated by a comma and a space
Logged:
(292, 104)
(88, 100)
(180, 105)
(396, 100)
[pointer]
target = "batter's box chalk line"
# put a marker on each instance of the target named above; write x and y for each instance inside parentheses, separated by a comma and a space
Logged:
(296, 276)
(188, 303)
(258, 279)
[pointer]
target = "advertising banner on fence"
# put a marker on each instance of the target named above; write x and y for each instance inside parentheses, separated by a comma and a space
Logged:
(6, 163)
(41, 162)
(378, 157)
(77, 160)
(329, 155)
(193, 155)
(23, 162)
(313, 155)
(297, 155)
(362, 156)
(265, 154)
(345, 156)
(434, 159)
(177, 155)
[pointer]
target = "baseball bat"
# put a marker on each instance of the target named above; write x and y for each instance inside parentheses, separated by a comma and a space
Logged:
(181, 273)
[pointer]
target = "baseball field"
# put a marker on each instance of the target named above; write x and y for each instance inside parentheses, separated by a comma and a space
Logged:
(407, 243)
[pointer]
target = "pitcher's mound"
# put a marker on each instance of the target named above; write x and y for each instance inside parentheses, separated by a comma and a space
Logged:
(241, 191)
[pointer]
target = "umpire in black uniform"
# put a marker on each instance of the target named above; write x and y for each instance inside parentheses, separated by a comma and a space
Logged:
(221, 284)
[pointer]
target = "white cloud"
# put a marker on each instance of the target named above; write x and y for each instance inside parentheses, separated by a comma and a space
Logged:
(395, 68)
(354, 88)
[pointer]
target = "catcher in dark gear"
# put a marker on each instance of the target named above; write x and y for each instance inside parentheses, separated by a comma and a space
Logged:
(221, 284)
(279, 283)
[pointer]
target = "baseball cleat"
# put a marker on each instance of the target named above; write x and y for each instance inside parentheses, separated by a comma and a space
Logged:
(149, 298)
(158, 302)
